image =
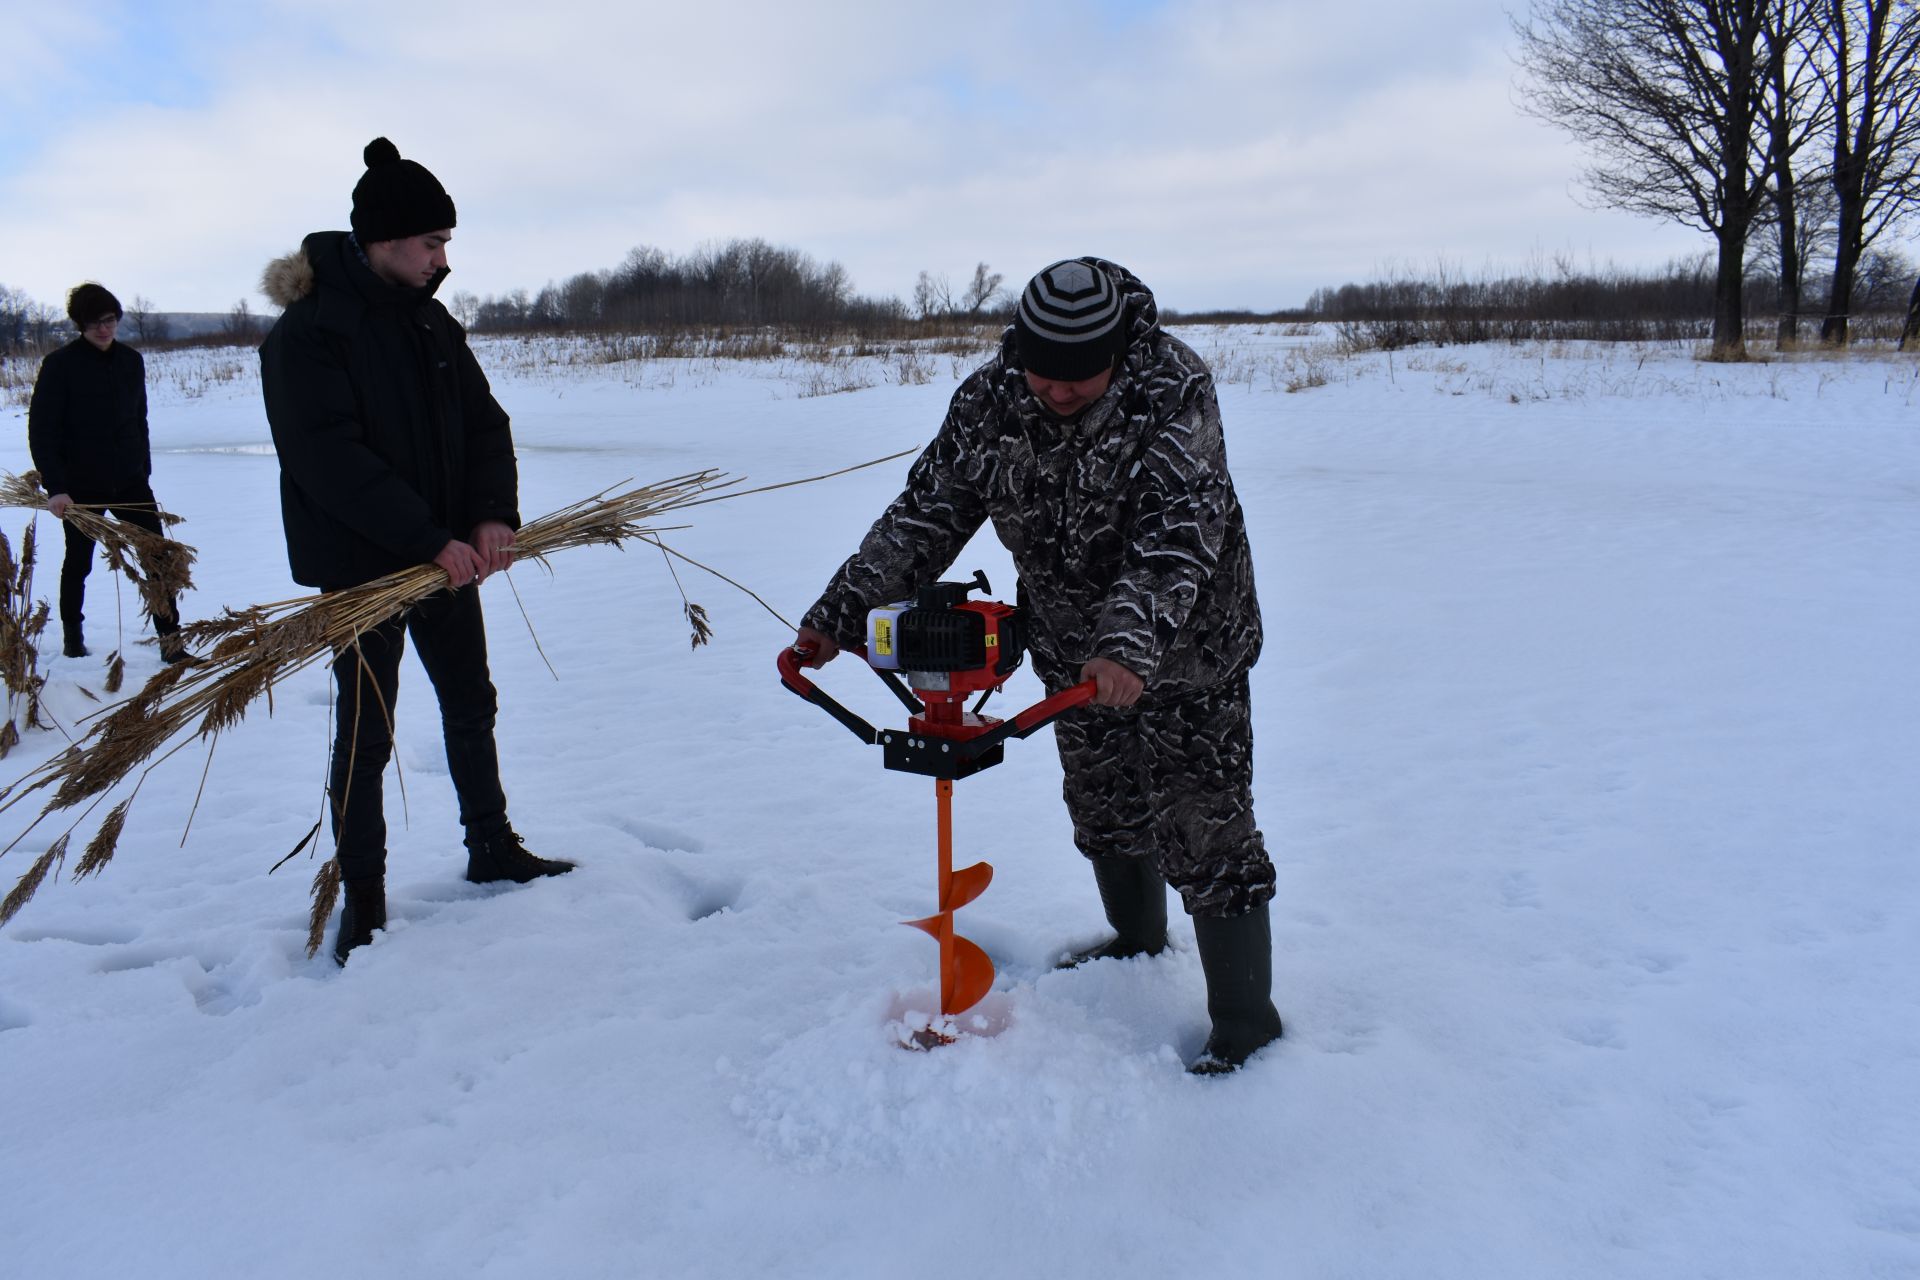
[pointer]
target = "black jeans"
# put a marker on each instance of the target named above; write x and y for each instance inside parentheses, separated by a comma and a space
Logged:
(450, 635)
(135, 505)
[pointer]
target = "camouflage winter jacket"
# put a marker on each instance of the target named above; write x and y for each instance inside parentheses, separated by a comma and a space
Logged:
(1124, 525)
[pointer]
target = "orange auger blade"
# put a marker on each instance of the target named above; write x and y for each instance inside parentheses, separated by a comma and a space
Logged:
(966, 973)
(969, 977)
(967, 884)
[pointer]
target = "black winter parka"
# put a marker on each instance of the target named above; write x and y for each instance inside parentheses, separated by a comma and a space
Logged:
(390, 441)
(87, 421)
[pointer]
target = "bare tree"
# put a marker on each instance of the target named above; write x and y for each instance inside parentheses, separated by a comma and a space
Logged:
(15, 309)
(1880, 282)
(1873, 51)
(148, 325)
(982, 292)
(239, 323)
(1797, 111)
(138, 309)
(45, 323)
(465, 308)
(1666, 96)
(932, 296)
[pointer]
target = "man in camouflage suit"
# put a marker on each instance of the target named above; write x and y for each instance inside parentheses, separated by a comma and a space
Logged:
(1093, 442)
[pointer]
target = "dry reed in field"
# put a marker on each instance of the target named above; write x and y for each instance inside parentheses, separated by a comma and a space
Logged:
(158, 567)
(21, 624)
(238, 657)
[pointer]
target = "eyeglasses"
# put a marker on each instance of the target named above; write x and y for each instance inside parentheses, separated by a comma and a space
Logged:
(104, 322)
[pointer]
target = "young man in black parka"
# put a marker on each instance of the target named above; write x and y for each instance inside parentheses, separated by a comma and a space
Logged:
(87, 429)
(393, 452)
(1092, 440)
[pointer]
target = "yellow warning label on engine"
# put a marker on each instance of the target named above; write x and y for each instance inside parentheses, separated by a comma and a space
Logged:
(993, 642)
(883, 636)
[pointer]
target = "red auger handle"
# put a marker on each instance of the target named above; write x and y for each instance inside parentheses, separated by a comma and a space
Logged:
(1037, 716)
(788, 663)
(1047, 709)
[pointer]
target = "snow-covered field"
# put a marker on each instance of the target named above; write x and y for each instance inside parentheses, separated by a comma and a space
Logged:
(1587, 725)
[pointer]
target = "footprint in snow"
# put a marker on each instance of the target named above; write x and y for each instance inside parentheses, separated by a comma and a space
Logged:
(655, 835)
(102, 936)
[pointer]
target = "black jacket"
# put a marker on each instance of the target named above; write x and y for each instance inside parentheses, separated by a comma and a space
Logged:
(87, 421)
(390, 441)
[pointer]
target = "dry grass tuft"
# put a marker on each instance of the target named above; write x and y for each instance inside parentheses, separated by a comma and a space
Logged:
(326, 892)
(697, 619)
(100, 850)
(21, 625)
(29, 883)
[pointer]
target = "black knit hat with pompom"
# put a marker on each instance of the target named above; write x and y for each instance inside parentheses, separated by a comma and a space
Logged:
(397, 198)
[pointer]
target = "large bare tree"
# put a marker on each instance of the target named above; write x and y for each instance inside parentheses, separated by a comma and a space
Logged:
(1873, 72)
(1799, 109)
(1667, 97)
(983, 292)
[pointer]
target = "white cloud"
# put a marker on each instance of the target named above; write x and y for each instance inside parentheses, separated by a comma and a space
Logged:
(1234, 153)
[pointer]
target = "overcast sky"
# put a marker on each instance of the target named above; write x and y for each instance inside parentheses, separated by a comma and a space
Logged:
(1233, 153)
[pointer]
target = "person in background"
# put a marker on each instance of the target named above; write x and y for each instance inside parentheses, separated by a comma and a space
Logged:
(87, 431)
(1092, 440)
(393, 452)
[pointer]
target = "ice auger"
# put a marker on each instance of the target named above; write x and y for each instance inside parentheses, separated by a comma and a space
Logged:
(934, 651)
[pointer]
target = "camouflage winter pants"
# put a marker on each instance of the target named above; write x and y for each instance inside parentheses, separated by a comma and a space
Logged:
(1172, 780)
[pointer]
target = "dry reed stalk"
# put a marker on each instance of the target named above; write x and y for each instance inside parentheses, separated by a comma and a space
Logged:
(326, 892)
(100, 849)
(21, 625)
(158, 567)
(239, 656)
(24, 890)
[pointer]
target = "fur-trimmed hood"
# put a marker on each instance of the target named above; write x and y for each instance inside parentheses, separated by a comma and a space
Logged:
(328, 258)
(287, 279)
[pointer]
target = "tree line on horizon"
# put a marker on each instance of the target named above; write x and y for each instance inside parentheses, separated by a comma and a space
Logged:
(1445, 305)
(751, 284)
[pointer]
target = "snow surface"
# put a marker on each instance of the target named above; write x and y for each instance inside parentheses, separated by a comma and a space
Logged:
(1587, 730)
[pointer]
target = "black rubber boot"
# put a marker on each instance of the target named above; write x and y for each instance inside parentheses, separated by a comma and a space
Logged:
(505, 856)
(75, 645)
(1135, 898)
(363, 908)
(1236, 952)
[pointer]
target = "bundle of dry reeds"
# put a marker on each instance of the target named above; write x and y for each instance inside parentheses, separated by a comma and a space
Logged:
(158, 567)
(238, 657)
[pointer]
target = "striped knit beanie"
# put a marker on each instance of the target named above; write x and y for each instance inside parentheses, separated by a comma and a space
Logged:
(1071, 322)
